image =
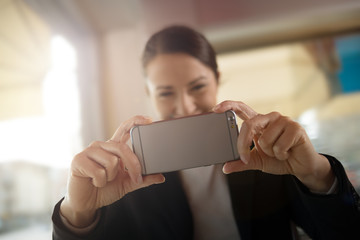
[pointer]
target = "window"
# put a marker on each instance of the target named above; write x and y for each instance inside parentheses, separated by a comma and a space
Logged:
(37, 149)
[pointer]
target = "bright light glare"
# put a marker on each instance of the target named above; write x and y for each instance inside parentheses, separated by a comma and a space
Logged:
(63, 55)
(310, 122)
(54, 138)
(61, 103)
(60, 92)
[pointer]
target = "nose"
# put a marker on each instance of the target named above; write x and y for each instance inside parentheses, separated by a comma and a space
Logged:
(185, 105)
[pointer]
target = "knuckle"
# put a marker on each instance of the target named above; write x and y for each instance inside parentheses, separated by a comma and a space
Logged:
(94, 144)
(246, 124)
(249, 124)
(137, 119)
(264, 141)
(287, 119)
(278, 149)
(78, 159)
(123, 124)
(99, 173)
(122, 147)
(113, 161)
(275, 114)
(226, 102)
(279, 152)
(78, 156)
(237, 102)
(118, 145)
(297, 127)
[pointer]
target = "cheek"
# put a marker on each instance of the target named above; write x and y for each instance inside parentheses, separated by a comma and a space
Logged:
(210, 102)
(209, 99)
(164, 109)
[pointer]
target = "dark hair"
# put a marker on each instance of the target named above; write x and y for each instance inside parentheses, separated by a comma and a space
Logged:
(180, 39)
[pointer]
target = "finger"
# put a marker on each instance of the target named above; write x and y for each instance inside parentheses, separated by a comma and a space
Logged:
(290, 138)
(235, 166)
(128, 160)
(153, 179)
(249, 129)
(272, 133)
(241, 109)
(84, 167)
(122, 133)
(131, 163)
(148, 180)
(107, 159)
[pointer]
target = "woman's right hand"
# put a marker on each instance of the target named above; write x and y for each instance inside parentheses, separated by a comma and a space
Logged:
(102, 174)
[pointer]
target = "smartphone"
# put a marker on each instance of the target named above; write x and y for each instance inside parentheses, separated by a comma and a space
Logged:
(187, 142)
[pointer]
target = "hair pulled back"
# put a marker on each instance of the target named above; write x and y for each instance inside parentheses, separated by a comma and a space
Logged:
(180, 39)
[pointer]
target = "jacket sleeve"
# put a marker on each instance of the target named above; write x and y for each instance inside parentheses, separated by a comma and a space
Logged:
(333, 216)
(61, 232)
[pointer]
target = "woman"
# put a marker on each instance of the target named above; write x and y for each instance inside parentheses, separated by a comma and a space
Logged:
(108, 198)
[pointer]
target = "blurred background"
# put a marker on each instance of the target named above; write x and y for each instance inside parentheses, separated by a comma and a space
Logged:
(70, 73)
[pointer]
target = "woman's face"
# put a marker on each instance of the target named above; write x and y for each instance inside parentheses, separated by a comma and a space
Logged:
(180, 85)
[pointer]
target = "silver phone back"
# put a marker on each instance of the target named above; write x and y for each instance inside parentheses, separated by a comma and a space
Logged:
(187, 142)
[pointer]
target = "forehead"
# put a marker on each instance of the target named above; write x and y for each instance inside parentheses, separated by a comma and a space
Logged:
(175, 68)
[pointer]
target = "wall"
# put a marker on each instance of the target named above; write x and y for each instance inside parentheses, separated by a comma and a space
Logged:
(282, 78)
(123, 82)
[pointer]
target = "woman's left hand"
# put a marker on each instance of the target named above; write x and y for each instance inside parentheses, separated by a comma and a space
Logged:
(281, 147)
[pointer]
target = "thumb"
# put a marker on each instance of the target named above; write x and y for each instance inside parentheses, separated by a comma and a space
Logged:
(239, 165)
(148, 181)
(152, 179)
(236, 166)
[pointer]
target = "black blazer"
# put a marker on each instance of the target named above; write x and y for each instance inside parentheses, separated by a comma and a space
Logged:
(264, 206)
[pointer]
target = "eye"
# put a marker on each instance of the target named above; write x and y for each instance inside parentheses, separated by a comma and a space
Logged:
(165, 94)
(198, 87)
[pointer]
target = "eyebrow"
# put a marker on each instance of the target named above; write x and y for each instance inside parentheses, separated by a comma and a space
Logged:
(164, 87)
(193, 82)
(196, 80)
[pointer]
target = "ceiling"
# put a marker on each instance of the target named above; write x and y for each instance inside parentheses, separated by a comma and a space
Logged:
(24, 59)
(109, 15)
(23, 44)
(229, 24)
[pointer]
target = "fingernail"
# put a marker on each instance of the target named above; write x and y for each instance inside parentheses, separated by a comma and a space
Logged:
(162, 180)
(226, 169)
(216, 107)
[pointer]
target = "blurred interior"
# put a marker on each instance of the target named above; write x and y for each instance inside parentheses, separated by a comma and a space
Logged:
(70, 73)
